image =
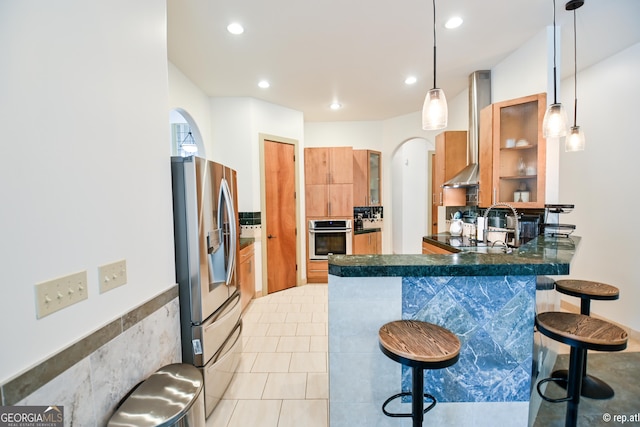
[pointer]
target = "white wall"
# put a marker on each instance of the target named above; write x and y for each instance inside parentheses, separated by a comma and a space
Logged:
(89, 183)
(602, 181)
(411, 181)
(186, 96)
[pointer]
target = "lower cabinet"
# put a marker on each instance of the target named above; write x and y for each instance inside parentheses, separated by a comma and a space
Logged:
(317, 271)
(367, 243)
(428, 248)
(247, 275)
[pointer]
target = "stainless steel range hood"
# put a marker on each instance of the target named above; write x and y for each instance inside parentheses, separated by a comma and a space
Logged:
(479, 97)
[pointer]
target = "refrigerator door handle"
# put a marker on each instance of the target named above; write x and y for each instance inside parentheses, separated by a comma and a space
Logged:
(226, 192)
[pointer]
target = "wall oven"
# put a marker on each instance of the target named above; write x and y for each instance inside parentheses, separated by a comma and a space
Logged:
(329, 237)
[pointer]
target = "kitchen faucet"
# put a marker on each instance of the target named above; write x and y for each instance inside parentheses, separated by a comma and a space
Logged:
(516, 238)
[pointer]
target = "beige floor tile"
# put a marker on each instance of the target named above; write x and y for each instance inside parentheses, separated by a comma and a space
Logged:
(320, 299)
(221, 414)
(319, 344)
(263, 308)
(307, 413)
(288, 308)
(254, 329)
(273, 317)
(319, 317)
(313, 307)
(261, 344)
(246, 362)
(272, 362)
(282, 329)
(299, 317)
(302, 299)
(311, 329)
(246, 385)
(285, 386)
(308, 362)
(251, 317)
(294, 344)
(281, 298)
(256, 413)
(317, 385)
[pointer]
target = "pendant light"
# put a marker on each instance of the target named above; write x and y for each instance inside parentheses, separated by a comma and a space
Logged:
(554, 124)
(575, 141)
(188, 144)
(434, 109)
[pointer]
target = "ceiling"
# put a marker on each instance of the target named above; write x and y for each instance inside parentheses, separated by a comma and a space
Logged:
(359, 52)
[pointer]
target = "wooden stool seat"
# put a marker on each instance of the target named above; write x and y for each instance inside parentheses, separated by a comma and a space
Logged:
(420, 345)
(417, 342)
(578, 330)
(586, 290)
(582, 333)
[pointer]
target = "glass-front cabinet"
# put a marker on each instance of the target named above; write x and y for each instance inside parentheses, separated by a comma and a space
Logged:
(367, 174)
(513, 153)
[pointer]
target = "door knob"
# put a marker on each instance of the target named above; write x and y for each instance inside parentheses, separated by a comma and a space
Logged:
(270, 236)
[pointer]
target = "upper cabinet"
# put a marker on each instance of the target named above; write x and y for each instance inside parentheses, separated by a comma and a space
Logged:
(328, 175)
(367, 174)
(513, 153)
(450, 158)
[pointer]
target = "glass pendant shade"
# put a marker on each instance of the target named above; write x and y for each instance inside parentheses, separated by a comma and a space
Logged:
(555, 123)
(434, 110)
(188, 145)
(575, 141)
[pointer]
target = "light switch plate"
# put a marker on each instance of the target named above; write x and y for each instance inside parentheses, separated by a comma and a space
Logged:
(56, 294)
(112, 275)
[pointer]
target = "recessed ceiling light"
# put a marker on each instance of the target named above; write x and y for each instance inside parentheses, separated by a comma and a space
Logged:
(410, 80)
(235, 28)
(335, 106)
(453, 22)
(264, 84)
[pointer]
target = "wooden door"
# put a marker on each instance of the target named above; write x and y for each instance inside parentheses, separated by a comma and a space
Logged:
(279, 159)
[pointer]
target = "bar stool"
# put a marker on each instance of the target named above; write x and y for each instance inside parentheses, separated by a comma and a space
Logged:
(421, 346)
(582, 333)
(592, 387)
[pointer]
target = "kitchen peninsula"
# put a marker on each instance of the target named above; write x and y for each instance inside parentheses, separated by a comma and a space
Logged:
(487, 299)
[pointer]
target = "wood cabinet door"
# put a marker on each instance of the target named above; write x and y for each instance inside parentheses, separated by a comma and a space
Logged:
(376, 239)
(361, 244)
(247, 275)
(360, 177)
(316, 197)
(316, 165)
(341, 165)
(340, 200)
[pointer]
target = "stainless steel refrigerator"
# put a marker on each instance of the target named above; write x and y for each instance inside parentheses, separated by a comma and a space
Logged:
(206, 232)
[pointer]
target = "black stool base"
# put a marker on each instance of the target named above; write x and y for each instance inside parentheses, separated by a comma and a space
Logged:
(592, 387)
(407, 393)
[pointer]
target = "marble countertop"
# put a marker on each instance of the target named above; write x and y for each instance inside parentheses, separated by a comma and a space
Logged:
(543, 255)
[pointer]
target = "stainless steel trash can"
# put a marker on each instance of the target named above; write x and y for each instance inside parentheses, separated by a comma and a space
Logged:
(172, 396)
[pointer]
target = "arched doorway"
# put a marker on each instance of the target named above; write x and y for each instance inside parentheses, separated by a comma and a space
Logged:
(185, 132)
(411, 195)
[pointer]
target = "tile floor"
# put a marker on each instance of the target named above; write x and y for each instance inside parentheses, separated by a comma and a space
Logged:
(282, 379)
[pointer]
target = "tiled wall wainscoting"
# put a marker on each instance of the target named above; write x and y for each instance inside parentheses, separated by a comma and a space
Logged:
(91, 376)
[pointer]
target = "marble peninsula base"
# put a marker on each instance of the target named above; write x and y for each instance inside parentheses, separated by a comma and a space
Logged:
(488, 386)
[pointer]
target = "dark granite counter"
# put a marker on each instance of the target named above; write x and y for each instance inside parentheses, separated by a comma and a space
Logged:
(543, 255)
(246, 241)
(367, 230)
